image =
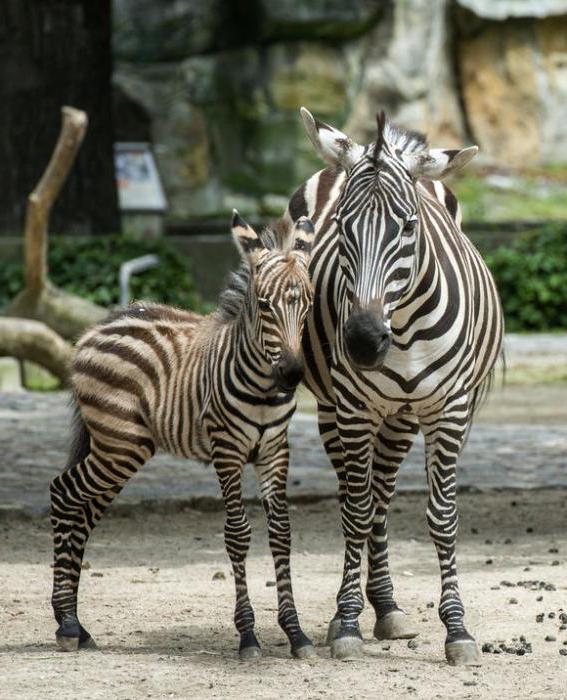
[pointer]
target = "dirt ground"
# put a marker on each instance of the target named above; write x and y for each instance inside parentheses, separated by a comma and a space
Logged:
(164, 625)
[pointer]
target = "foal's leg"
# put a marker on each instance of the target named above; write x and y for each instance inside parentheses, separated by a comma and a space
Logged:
(272, 477)
(79, 498)
(394, 440)
(237, 534)
(444, 436)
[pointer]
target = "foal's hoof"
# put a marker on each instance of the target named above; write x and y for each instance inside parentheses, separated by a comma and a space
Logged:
(394, 625)
(72, 636)
(250, 653)
(307, 651)
(462, 652)
(249, 647)
(333, 630)
(346, 648)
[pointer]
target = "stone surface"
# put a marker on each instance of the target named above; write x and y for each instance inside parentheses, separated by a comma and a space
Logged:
(34, 429)
(514, 78)
(216, 86)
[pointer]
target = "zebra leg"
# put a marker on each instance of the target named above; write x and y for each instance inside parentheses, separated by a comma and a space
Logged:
(272, 478)
(237, 533)
(444, 438)
(327, 421)
(394, 440)
(79, 497)
(357, 513)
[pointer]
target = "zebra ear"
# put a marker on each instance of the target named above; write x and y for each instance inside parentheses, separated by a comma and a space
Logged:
(246, 239)
(303, 235)
(437, 163)
(332, 145)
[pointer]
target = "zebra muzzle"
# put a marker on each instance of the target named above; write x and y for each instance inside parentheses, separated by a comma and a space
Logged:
(288, 372)
(367, 340)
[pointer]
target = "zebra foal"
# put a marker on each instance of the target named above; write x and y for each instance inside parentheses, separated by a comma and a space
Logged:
(219, 389)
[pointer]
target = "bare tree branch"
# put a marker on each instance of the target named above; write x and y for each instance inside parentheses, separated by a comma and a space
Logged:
(34, 341)
(40, 201)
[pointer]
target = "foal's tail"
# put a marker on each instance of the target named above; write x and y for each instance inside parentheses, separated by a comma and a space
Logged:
(80, 437)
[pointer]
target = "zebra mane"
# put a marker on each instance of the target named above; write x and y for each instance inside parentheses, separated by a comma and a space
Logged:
(404, 140)
(232, 299)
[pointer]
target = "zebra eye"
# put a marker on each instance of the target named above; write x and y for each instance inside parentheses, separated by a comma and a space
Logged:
(410, 226)
(264, 304)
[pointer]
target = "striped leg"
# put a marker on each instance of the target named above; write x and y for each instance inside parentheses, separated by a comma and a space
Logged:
(237, 533)
(357, 511)
(327, 420)
(444, 438)
(272, 479)
(79, 498)
(394, 440)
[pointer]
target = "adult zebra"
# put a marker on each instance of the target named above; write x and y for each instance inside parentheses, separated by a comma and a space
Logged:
(219, 388)
(404, 334)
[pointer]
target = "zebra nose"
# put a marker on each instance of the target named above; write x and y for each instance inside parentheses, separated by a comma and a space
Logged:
(367, 340)
(289, 372)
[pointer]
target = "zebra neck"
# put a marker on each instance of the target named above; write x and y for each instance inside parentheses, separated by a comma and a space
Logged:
(251, 369)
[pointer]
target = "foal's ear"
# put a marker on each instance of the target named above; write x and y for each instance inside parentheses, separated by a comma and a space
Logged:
(437, 163)
(246, 239)
(332, 145)
(302, 239)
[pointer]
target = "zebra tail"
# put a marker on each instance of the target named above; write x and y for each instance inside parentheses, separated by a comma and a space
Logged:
(480, 393)
(80, 437)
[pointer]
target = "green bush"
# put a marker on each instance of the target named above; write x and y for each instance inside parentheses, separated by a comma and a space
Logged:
(89, 268)
(532, 280)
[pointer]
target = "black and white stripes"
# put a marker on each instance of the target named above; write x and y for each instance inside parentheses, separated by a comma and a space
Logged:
(405, 332)
(217, 388)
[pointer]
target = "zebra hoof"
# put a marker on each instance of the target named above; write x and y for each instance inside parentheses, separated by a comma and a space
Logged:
(307, 651)
(394, 625)
(67, 643)
(249, 647)
(333, 630)
(346, 648)
(250, 653)
(463, 652)
(88, 643)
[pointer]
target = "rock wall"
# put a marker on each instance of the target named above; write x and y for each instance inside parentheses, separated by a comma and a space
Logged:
(216, 85)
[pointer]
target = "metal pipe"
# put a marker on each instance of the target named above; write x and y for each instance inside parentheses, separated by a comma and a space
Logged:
(132, 267)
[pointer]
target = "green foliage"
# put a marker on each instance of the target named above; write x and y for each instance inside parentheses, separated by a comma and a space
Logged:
(532, 280)
(89, 268)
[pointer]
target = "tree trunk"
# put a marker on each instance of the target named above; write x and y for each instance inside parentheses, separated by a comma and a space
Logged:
(34, 341)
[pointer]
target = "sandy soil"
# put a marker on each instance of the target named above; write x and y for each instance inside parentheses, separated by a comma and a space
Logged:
(164, 626)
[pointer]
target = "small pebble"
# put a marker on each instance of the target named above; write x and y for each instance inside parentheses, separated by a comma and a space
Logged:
(550, 638)
(563, 652)
(386, 647)
(97, 574)
(219, 576)
(563, 616)
(551, 615)
(539, 617)
(555, 562)
(413, 644)
(507, 541)
(553, 550)
(431, 604)
(469, 683)
(539, 598)
(513, 601)
(488, 561)
(487, 541)
(474, 531)
(563, 627)
(270, 584)
(86, 565)
(529, 529)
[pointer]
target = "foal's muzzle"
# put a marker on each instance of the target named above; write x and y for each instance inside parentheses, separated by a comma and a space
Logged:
(288, 372)
(367, 340)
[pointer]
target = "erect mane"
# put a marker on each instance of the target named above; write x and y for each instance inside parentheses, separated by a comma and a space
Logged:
(404, 140)
(233, 298)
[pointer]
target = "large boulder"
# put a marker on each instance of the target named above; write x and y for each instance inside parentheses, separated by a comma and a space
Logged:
(409, 73)
(514, 86)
